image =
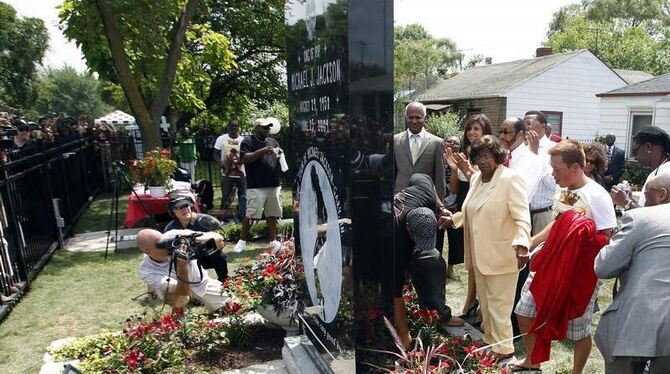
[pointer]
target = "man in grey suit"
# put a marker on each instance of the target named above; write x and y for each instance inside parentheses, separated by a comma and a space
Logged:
(635, 330)
(418, 151)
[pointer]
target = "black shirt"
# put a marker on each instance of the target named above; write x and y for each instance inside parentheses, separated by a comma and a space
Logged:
(263, 172)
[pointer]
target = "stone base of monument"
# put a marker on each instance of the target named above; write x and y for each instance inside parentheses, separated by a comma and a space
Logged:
(465, 329)
(301, 357)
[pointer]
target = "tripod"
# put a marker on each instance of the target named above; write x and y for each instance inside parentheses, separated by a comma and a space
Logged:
(114, 208)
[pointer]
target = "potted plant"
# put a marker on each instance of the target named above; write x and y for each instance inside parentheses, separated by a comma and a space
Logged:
(272, 285)
(154, 171)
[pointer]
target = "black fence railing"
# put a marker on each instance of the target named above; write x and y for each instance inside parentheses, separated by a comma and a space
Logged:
(41, 198)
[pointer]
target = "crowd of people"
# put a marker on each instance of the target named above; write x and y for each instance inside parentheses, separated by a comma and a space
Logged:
(20, 137)
(533, 218)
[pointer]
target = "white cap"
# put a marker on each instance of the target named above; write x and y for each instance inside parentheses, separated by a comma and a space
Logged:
(272, 122)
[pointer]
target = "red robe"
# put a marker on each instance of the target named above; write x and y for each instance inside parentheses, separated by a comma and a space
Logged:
(564, 279)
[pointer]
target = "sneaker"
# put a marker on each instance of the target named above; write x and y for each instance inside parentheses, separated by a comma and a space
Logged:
(239, 247)
(276, 245)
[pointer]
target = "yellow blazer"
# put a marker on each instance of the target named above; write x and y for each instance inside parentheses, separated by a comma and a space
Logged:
(499, 223)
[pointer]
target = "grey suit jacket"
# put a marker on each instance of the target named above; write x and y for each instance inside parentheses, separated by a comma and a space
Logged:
(430, 161)
(638, 321)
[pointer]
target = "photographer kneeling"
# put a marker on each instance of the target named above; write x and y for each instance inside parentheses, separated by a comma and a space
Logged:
(181, 209)
(182, 278)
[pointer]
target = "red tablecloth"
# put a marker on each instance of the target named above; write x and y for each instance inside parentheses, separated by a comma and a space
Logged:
(153, 205)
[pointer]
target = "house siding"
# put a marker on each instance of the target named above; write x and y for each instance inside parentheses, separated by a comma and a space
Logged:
(569, 88)
(615, 115)
(494, 107)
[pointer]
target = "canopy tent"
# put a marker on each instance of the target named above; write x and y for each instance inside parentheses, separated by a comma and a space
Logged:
(117, 119)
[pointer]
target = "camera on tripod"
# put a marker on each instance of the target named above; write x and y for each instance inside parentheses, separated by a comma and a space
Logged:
(187, 246)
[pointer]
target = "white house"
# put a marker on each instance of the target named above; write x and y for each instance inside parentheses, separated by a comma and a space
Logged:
(564, 86)
(627, 110)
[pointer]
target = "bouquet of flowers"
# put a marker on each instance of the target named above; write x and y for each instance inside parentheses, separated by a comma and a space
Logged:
(275, 280)
(155, 169)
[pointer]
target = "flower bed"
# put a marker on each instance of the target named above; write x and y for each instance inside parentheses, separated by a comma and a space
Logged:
(173, 343)
(431, 352)
(276, 280)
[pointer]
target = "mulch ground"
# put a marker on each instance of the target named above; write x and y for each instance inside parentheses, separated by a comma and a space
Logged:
(268, 345)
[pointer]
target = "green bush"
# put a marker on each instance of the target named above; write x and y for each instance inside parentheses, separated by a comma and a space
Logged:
(259, 230)
(445, 125)
(635, 174)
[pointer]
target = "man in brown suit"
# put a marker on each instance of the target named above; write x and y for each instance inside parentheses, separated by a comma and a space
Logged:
(418, 151)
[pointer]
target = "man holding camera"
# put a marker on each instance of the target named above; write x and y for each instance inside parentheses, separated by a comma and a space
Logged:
(176, 282)
(181, 209)
(261, 156)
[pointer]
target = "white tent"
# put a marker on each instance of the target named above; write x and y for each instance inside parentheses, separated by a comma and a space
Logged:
(117, 119)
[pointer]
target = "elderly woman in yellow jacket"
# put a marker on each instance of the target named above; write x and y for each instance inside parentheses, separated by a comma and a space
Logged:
(496, 220)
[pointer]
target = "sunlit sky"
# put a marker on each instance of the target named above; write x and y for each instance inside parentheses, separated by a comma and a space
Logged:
(504, 30)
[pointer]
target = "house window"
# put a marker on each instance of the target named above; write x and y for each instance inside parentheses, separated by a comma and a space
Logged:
(638, 121)
(555, 119)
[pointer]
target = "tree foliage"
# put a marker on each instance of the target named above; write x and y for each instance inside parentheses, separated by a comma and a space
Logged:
(64, 90)
(420, 59)
(23, 43)
(626, 34)
(136, 43)
(257, 39)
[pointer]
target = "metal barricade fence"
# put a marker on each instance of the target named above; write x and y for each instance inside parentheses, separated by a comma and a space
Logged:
(41, 198)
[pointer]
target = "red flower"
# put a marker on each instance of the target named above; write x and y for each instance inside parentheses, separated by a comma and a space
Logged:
(232, 308)
(212, 324)
(133, 358)
(470, 349)
(373, 314)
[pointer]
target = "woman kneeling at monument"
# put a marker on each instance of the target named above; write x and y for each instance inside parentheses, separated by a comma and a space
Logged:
(496, 223)
(415, 226)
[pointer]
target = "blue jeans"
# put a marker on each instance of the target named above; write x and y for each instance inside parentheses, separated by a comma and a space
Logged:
(227, 184)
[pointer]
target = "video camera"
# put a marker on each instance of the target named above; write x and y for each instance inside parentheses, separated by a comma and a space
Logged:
(187, 246)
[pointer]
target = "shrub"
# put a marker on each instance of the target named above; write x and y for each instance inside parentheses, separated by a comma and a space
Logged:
(635, 174)
(445, 125)
(259, 230)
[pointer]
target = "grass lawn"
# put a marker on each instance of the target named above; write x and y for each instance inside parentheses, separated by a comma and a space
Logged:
(79, 294)
(561, 352)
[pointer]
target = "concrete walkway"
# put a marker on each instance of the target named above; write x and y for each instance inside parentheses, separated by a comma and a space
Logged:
(276, 366)
(96, 241)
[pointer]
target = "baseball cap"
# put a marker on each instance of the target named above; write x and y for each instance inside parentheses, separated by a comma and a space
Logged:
(270, 122)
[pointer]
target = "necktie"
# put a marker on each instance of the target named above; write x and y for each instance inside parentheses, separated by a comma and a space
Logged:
(609, 154)
(414, 147)
(507, 159)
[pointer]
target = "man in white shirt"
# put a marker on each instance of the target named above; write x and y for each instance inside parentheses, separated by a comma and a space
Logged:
(543, 198)
(173, 283)
(652, 149)
(567, 162)
(532, 168)
(227, 154)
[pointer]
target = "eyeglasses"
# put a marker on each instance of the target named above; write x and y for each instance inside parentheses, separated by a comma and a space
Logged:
(183, 206)
(591, 161)
(505, 132)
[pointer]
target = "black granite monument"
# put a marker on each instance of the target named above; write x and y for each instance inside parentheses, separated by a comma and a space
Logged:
(340, 84)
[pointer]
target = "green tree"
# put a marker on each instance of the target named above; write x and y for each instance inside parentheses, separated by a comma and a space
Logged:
(64, 90)
(137, 44)
(626, 34)
(23, 43)
(257, 39)
(420, 60)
